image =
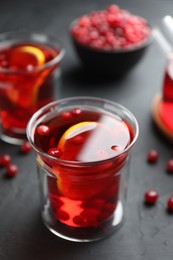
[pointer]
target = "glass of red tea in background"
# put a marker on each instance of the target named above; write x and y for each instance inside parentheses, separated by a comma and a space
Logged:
(82, 149)
(163, 101)
(29, 63)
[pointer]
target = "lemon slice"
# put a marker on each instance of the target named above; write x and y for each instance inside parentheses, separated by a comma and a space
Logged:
(39, 55)
(76, 130)
(65, 185)
(23, 56)
(26, 57)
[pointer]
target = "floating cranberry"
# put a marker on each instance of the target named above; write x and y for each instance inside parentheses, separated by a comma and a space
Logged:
(26, 147)
(77, 111)
(55, 152)
(169, 166)
(66, 115)
(152, 156)
(43, 130)
(151, 196)
(78, 139)
(5, 160)
(170, 204)
(11, 170)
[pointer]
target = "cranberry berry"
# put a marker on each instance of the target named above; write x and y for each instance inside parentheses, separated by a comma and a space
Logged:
(5, 160)
(169, 166)
(43, 130)
(152, 156)
(11, 170)
(55, 152)
(170, 204)
(77, 111)
(113, 9)
(66, 115)
(151, 196)
(110, 29)
(26, 147)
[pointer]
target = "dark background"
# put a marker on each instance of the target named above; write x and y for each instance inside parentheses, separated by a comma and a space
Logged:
(147, 233)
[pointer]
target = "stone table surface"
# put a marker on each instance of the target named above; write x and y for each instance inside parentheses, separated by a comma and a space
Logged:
(147, 233)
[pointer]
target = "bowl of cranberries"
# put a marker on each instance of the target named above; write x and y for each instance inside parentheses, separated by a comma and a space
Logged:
(110, 41)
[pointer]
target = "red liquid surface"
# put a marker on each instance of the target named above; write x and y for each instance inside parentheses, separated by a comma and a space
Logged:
(23, 88)
(84, 196)
(166, 107)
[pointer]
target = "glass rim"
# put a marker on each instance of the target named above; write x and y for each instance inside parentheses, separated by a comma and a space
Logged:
(30, 36)
(80, 98)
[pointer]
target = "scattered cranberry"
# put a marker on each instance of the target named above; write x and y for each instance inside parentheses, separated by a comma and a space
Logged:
(55, 152)
(43, 130)
(5, 160)
(151, 196)
(169, 166)
(152, 156)
(26, 147)
(11, 170)
(170, 204)
(109, 29)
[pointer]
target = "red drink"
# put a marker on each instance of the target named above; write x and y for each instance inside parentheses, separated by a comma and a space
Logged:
(82, 147)
(166, 107)
(88, 196)
(26, 82)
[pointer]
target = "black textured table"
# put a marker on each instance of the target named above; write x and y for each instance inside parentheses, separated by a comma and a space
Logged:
(147, 233)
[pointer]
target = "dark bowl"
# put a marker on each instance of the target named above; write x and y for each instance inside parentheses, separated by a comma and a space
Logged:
(110, 62)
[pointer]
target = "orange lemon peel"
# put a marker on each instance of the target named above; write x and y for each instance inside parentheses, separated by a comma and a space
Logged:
(34, 51)
(76, 129)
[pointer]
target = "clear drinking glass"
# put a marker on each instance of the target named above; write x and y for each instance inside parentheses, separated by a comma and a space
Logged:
(83, 149)
(163, 102)
(29, 64)
(163, 34)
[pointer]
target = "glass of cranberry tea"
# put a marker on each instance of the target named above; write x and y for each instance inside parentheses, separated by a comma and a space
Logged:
(82, 149)
(28, 67)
